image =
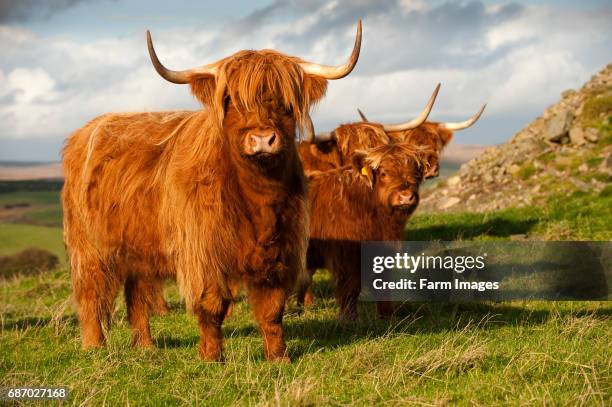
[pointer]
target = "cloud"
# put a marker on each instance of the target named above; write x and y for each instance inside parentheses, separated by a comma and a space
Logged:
(22, 10)
(517, 58)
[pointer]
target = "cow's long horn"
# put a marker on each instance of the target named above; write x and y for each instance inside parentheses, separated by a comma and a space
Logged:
(340, 71)
(465, 124)
(363, 116)
(179, 77)
(310, 132)
(420, 118)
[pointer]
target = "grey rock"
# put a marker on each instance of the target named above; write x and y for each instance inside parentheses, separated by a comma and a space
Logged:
(576, 135)
(453, 181)
(449, 202)
(558, 126)
(592, 134)
(514, 169)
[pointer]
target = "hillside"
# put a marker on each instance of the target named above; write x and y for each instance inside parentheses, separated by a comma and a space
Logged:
(567, 149)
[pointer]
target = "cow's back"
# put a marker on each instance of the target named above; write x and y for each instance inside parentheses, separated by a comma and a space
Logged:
(117, 186)
(319, 157)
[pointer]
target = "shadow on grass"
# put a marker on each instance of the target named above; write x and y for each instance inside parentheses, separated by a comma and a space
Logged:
(470, 227)
(410, 318)
(39, 322)
(168, 341)
(424, 318)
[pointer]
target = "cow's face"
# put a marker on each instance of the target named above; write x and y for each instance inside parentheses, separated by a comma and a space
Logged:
(425, 137)
(432, 136)
(264, 136)
(394, 176)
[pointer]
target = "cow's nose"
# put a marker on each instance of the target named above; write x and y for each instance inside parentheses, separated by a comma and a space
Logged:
(408, 198)
(263, 142)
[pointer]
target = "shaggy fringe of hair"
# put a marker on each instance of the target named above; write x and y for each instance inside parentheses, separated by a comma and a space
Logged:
(428, 133)
(353, 136)
(397, 151)
(245, 77)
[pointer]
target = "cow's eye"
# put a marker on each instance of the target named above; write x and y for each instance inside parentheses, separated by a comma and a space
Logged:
(383, 174)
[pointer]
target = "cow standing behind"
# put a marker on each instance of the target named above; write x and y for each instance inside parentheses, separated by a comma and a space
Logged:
(334, 149)
(212, 197)
(435, 135)
(368, 200)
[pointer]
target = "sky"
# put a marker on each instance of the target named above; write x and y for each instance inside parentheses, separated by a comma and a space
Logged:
(64, 62)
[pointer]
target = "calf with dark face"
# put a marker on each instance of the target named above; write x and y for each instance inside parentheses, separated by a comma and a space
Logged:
(368, 200)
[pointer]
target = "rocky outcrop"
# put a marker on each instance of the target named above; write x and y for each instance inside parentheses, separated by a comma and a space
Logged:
(567, 149)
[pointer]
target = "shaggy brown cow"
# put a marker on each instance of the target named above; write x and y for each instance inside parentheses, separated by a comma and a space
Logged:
(369, 200)
(212, 198)
(433, 134)
(347, 138)
(334, 149)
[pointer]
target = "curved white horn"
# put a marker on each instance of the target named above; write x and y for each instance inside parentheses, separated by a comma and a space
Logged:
(465, 124)
(419, 119)
(179, 77)
(340, 71)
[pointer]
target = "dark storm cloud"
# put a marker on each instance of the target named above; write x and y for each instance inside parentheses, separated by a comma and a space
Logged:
(24, 10)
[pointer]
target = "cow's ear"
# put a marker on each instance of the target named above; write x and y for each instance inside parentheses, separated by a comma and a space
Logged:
(203, 88)
(445, 136)
(429, 163)
(364, 169)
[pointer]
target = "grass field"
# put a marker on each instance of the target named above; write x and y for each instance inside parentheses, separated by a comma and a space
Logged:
(16, 237)
(511, 353)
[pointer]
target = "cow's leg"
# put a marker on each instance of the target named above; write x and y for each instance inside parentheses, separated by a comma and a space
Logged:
(94, 294)
(385, 309)
(268, 303)
(348, 287)
(160, 306)
(304, 291)
(211, 312)
(234, 287)
(140, 294)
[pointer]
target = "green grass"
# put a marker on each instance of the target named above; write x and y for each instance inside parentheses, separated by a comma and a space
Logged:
(508, 353)
(43, 208)
(14, 238)
(579, 217)
(489, 353)
(48, 216)
(31, 197)
(526, 171)
(595, 108)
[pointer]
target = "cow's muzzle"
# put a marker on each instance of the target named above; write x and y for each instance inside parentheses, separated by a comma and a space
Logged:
(405, 200)
(262, 142)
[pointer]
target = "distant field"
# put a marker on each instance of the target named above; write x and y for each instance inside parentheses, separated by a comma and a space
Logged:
(18, 171)
(15, 237)
(31, 197)
(42, 208)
